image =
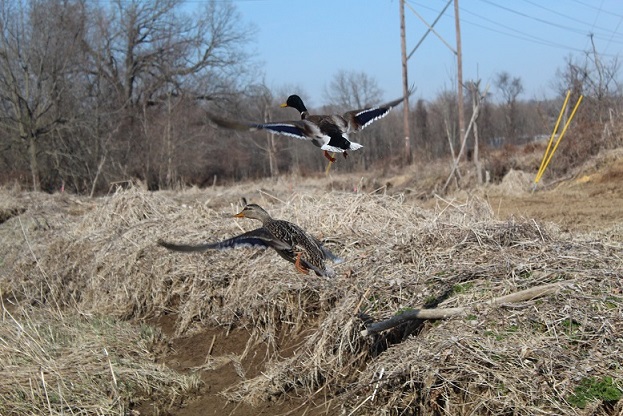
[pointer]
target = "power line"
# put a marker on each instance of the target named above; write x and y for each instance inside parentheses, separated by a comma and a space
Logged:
(601, 5)
(573, 19)
(616, 29)
(506, 30)
(537, 19)
(517, 34)
(598, 9)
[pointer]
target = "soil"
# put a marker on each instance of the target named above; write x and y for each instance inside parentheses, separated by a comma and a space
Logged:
(590, 202)
(189, 353)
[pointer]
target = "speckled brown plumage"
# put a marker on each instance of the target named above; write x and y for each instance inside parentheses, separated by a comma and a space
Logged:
(289, 241)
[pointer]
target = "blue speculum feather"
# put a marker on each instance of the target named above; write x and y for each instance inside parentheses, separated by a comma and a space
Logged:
(282, 128)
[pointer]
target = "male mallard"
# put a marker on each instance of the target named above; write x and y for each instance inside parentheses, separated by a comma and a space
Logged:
(289, 241)
(329, 132)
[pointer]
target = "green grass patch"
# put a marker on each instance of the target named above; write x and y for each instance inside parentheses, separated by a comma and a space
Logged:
(613, 302)
(403, 310)
(591, 389)
(571, 325)
(461, 288)
(500, 335)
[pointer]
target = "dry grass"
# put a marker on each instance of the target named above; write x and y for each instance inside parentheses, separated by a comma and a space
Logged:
(65, 363)
(100, 258)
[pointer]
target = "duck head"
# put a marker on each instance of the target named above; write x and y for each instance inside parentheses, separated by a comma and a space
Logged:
(295, 101)
(253, 211)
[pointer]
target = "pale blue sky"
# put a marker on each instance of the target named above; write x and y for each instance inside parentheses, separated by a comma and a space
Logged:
(304, 43)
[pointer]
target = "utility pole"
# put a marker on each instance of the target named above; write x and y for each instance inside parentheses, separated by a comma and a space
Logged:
(459, 63)
(405, 85)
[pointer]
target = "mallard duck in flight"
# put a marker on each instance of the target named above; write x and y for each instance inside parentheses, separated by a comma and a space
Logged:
(289, 241)
(329, 132)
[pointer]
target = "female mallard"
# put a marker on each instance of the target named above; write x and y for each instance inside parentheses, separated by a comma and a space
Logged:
(289, 241)
(329, 132)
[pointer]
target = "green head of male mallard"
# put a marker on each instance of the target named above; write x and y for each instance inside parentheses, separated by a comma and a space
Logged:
(296, 102)
(289, 241)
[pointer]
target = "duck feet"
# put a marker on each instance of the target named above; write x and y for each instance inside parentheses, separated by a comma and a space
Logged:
(345, 155)
(299, 267)
(328, 156)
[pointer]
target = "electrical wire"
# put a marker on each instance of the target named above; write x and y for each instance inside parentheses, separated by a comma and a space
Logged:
(521, 34)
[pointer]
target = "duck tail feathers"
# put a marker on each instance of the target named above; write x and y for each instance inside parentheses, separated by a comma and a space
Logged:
(355, 146)
(329, 272)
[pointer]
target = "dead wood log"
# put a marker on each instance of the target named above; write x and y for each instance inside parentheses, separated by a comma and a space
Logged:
(445, 313)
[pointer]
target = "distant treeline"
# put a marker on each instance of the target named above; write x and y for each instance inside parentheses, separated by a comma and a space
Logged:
(97, 93)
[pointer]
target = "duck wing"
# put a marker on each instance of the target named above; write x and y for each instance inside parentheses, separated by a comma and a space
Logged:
(360, 119)
(300, 129)
(258, 238)
(326, 132)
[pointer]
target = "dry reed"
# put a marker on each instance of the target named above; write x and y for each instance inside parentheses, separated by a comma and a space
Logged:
(522, 359)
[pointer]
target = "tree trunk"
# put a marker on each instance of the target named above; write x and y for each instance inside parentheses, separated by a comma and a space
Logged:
(459, 72)
(408, 155)
(271, 146)
(34, 166)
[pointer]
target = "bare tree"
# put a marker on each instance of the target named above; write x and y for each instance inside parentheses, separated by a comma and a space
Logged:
(352, 90)
(510, 89)
(477, 97)
(144, 54)
(422, 128)
(261, 103)
(443, 124)
(39, 47)
(594, 77)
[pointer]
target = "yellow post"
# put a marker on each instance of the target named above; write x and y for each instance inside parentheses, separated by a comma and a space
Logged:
(561, 134)
(551, 138)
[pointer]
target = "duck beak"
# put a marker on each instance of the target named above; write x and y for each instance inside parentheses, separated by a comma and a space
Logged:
(239, 215)
(283, 105)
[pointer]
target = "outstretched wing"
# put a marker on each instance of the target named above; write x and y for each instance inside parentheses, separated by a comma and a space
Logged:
(258, 238)
(299, 129)
(360, 119)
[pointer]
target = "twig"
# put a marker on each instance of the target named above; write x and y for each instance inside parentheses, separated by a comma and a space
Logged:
(360, 404)
(378, 383)
(211, 345)
(45, 390)
(365, 295)
(114, 378)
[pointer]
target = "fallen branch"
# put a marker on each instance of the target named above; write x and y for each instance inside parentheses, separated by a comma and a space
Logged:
(445, 313)
(528, 294)
(411, 315)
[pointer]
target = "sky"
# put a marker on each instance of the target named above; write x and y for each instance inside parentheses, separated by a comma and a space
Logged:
(301, 45)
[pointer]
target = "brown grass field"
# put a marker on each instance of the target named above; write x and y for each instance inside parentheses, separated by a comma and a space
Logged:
(98, 319)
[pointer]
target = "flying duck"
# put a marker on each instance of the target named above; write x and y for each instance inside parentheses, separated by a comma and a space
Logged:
(289, 241)
(329, 132)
